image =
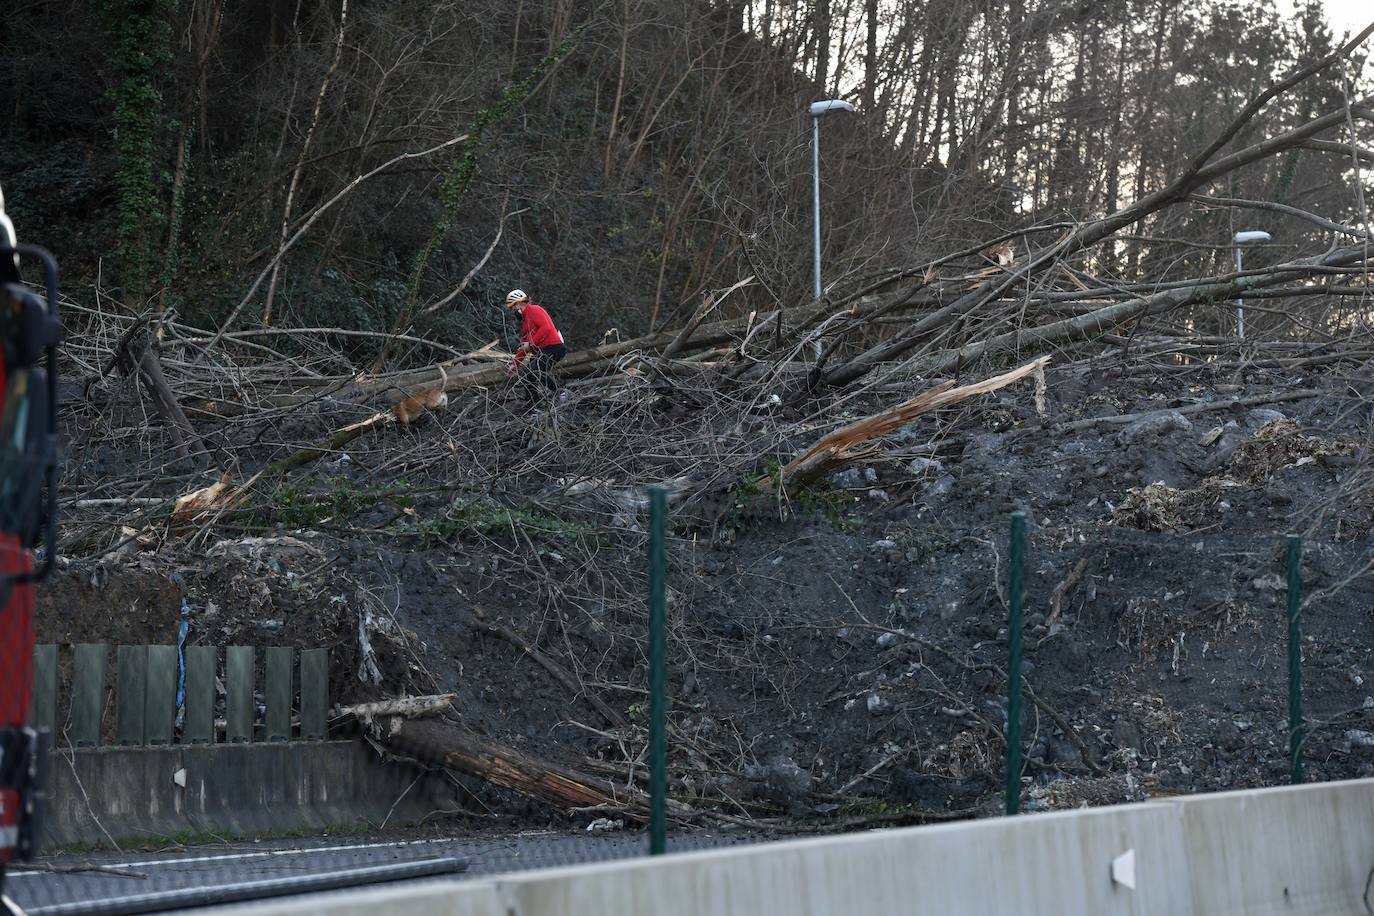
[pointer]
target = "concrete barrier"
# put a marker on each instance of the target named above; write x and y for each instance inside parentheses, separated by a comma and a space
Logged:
(230, 790)
(1305, 849)
(1300, 850)
(1057, 863)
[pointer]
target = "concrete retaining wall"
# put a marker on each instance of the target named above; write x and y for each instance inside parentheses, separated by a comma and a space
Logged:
(231, 790)
(1303, 850)
(1308, 849)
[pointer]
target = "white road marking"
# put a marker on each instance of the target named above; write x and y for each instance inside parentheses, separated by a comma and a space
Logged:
(261, 854)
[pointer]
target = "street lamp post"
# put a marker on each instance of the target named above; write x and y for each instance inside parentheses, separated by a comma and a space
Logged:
(1248, 235)
(816, 110)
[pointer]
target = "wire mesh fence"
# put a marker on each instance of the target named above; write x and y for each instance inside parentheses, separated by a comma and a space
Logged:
(1215, 693)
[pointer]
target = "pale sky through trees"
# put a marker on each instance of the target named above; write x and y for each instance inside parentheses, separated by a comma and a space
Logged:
(1348, 15)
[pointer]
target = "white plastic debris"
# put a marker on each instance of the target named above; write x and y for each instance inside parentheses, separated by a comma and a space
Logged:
(602, 824)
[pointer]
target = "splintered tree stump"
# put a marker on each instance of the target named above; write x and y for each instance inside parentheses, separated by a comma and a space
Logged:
(138, 358)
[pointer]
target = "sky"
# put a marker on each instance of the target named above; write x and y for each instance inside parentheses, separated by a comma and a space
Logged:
(1349, 15)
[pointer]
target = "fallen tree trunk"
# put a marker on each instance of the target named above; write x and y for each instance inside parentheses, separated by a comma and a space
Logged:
(401, 706)
(1194, 409)
(680, 341)
(560, 786)
(336, 440)
(576, 364)
(1102, 321)
(841, 446)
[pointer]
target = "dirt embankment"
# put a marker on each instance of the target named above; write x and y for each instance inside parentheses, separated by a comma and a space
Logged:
(838, 655)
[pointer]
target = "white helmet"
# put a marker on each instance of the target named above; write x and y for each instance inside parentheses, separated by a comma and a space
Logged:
(516, 295)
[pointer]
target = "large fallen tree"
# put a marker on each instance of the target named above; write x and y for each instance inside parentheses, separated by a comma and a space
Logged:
(442, 744)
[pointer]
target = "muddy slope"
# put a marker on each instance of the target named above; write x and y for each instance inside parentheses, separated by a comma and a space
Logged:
(839, 655)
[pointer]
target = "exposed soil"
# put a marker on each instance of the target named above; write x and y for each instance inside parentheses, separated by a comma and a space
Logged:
(860, 631)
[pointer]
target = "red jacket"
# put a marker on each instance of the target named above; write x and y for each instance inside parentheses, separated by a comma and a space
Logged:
(537, 330)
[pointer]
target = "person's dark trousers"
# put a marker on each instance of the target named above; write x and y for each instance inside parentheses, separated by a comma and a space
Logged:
(538, 373)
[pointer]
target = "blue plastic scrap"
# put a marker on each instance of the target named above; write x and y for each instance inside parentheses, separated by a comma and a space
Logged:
(181, 662)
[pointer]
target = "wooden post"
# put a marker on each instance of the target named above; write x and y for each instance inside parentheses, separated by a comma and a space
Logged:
(199, 726)
(131, 695)
(314, 694)
(238, 694)
(159, 716)
(88, 693)
(45, 688)
(277, 693)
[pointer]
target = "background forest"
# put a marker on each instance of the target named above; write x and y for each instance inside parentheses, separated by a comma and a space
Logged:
(631, 155)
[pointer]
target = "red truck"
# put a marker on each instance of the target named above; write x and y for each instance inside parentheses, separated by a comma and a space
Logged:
(29, 336)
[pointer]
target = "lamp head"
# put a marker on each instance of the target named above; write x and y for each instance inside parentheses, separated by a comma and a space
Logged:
(819, 108)
(1251, 235)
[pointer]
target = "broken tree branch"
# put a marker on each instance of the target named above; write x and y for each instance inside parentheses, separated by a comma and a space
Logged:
(401, 706)
(838, 447)
(136, 355)
(1194, 409)
(707, 308)
(314, 218)
(1085, 236)
(1063, 588)
(482, 262)
(561, 674)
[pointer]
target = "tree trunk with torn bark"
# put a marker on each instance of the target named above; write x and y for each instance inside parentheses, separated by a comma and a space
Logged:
(557, 785)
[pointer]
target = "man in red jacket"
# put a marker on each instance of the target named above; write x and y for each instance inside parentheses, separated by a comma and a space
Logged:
(539, 337)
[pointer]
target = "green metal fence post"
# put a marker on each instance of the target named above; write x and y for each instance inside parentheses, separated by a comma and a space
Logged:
(1017, 550)
(658, 679)
(1295, 729)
